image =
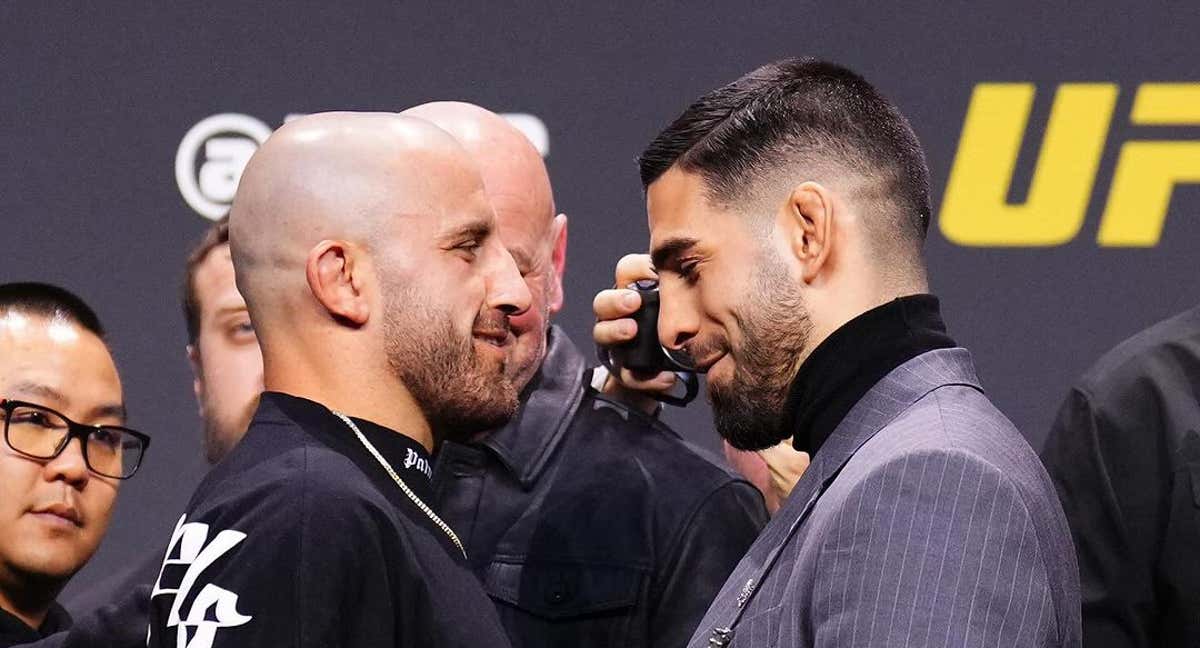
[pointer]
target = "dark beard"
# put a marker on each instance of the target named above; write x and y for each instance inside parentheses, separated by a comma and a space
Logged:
(749, 410)
(459, 392)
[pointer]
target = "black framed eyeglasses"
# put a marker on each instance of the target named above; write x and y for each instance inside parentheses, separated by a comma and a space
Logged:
(39, 432)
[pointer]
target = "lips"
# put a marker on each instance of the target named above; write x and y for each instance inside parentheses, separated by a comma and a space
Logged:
(702, 366)
(496, 337)
(62, 511)
(706, 353)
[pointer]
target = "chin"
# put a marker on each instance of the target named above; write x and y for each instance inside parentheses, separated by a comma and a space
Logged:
(52, 561)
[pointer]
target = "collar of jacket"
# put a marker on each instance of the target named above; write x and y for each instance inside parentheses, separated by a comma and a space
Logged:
(896, 392)
(548, 404)
(844, 367)
(886, 400)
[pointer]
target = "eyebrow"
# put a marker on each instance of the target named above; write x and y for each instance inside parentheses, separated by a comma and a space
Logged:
(111, 410)
(38, 390)
(666, 254)
(477, 229)
(231, 310)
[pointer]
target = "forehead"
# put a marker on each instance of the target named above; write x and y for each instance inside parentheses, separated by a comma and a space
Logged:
(214, 281)
(519, 192)
(57, 354)
(435, 191)
(676, 207)
(524, 231)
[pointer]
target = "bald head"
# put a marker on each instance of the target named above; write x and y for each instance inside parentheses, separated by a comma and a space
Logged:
(366, 249)
(340, 176)
(518, 188)
(513, 171)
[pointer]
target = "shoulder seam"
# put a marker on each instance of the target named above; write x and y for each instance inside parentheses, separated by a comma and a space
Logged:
(1003, 478)
(677, 537)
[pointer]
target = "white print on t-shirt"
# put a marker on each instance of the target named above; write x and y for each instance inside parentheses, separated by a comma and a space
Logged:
(214, 607)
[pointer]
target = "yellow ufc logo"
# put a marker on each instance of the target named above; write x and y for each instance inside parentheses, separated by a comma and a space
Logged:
(975, 211)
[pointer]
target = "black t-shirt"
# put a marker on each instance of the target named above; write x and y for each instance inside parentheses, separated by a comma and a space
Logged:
(301, 538)
(13, 631)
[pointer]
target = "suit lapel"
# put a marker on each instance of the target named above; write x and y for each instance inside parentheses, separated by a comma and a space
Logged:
(895, 393)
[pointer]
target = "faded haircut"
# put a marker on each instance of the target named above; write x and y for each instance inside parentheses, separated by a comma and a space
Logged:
(795, 120)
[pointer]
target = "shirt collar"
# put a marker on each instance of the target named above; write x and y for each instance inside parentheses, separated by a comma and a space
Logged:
(404, 455)
(524, 445)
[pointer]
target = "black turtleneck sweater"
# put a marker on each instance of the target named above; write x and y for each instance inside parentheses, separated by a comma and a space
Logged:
(840, 371)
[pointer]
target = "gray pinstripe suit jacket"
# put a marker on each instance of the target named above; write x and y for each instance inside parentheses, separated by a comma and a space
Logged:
(924, 520)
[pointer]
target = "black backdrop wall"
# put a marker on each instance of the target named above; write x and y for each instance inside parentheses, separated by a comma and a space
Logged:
(96, 99)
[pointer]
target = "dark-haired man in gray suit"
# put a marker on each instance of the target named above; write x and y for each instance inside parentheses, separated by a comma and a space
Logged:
(787, 215)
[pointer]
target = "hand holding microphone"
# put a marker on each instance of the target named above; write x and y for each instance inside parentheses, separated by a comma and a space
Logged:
(642, 371)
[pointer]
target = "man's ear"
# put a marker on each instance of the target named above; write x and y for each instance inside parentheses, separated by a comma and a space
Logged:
(335, 272)
(558, 258)
(808, 220)
(193, 355)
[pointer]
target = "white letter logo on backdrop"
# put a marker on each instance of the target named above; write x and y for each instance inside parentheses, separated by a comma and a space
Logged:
(211, 156)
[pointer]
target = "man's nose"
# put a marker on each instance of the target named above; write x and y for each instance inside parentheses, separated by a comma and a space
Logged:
(69, 466)
(507, 291)
(678, 319)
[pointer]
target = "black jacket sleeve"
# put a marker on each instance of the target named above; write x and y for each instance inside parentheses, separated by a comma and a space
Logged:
(720, 531)
(1111, 509)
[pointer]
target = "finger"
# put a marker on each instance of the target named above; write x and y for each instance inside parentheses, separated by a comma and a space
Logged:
(639, 381)
(782, 450)
(615, 303)
(633, 398)
(784, 461)
(614, 332)
(633, 267)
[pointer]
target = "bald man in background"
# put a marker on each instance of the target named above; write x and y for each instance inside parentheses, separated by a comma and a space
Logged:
(588, 521)
(364, 246)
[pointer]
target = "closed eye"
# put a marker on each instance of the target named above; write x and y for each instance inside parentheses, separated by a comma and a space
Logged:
(469, 248)
(689, 270)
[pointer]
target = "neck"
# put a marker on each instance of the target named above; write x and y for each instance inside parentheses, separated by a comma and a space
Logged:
(30, 609)
(353, 389)
(852, 299)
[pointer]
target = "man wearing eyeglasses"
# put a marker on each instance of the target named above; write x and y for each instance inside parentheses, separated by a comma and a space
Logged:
(64, 454)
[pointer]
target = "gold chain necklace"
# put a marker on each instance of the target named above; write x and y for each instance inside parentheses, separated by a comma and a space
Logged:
(400, 482)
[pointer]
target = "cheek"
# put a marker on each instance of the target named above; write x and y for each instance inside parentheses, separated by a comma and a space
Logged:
(534, 319)
(721, 293)
(233, 373)
(18, 478)
(725, 302)
(460, 298)
(97, 500)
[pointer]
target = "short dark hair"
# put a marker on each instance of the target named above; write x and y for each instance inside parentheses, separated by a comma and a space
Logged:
(45, 300)
(216, 236)
(798, 110)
